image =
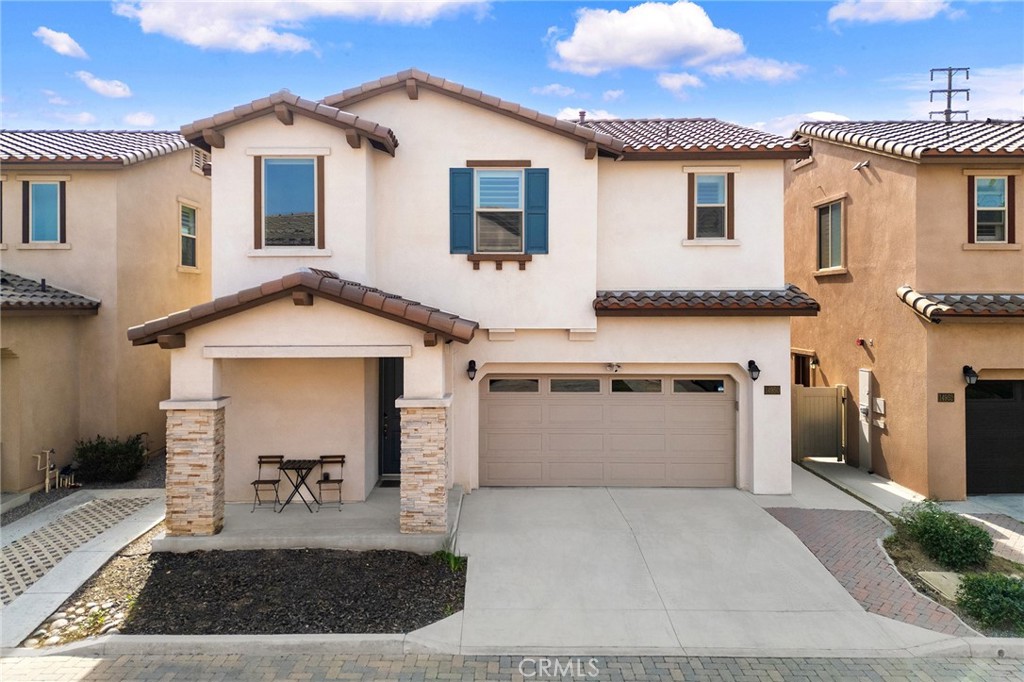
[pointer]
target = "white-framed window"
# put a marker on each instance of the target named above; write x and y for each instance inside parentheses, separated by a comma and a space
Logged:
(290, 201)
(189, 254)
(990, 209)
(830, 235)
(44, 212)
(711, 205)
(498, 203)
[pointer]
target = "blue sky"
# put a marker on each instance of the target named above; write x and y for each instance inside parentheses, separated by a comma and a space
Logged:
(119, 65)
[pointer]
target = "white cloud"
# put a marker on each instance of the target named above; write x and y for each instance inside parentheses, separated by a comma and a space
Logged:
(81, 118)
(877, 11)
(259, 26)
(555, 89)
(755, 68)
(996, 92)
(54, 98)
(573, 114)
(677, 83)
(649, 35)
(785, 125)
(141, 119)
(59, 42)
(612, 95)
(109, 88)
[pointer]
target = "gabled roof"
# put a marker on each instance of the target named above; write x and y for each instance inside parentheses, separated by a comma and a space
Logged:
(413, 79)
(21, 294)
(923, 140)
(696, 137)
(118, 147)
(936, 307)
(285, 104)
(319, 283)
(790, 301)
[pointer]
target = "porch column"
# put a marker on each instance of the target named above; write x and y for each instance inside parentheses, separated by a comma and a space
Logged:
(195, 466)
(424, 489)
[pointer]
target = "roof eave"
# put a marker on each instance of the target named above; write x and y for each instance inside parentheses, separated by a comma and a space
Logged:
(706, 312)
(713, 154)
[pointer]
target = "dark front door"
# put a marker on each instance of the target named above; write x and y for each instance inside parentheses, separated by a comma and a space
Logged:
(995, 437)
(391, 373)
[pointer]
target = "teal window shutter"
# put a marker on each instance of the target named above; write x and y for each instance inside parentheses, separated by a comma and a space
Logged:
(536, 210)
(460, 202)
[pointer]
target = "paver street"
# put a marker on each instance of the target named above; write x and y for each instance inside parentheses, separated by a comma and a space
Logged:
(198, 668)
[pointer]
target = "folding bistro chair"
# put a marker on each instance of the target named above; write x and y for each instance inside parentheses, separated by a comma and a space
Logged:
(331, 472)
(268, 462)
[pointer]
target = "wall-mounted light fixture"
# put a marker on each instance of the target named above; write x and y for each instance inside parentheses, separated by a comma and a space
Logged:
(754, 370)
(862, 165)
(613, 367)
(970, 376)
(814, 362)
(471, 370)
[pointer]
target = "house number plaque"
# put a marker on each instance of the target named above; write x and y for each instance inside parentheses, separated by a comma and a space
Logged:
(947, 397)
(773, 390)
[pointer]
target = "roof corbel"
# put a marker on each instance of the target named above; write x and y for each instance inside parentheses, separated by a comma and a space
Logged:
(213, 138)
(284, 114)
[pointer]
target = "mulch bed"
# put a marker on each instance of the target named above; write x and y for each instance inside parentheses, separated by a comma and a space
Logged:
(294, 592)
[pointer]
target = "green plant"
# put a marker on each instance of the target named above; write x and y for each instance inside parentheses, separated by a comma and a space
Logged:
(993, 599)
(455, 563)
(110, 459)
(946, 537)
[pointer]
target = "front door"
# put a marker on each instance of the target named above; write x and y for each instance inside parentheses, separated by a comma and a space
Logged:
(391, 381)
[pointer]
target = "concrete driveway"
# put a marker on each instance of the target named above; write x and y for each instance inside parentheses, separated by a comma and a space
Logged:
(597, 570)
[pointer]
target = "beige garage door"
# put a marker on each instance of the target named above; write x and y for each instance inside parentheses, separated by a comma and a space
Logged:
(607, 431)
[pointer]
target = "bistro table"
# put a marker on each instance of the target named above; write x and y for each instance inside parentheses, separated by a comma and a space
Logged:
(297, 471)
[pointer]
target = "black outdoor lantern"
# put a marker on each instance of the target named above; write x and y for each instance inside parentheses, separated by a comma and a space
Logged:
(471, 370)
(754, 370)
(970, 376)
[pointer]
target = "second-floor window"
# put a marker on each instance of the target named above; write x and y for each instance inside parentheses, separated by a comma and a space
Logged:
(499, 211)
(44, 211)
(710, 206)
(289, 202)
(830, 236)
(188, 237)
(990, 209)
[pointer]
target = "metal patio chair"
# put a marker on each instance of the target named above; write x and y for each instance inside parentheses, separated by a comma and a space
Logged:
(267, 462)
(331, 475)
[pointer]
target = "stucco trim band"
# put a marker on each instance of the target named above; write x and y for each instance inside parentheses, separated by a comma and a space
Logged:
(214, 404)
(307, 351)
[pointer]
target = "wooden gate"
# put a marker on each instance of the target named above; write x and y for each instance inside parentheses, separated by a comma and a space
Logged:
(819, 426)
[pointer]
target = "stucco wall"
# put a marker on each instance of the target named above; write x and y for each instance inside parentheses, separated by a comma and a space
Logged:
(880, 244)
(642, 228)
(40, 393)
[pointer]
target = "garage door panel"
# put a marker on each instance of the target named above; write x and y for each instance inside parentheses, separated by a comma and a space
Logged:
(636, 442)
(706, 415)
(576, 413)
(576, 473)
(515, 412)
(514, 441)
(514, 473)
(643, 413)
(701, 442)
(575, 442)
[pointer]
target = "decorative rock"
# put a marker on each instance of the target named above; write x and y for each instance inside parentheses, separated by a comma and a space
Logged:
(945, 583)
(59, 623)
(79, 611)
(91, 605)
(41, 632)
(56, 616)
(108, 605)
(113, 631)
(52, 641)
(32, 642)
(105, 630)
(93, 609)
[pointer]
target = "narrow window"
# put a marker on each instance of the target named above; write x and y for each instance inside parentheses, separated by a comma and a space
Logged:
(188, 237)
(575, 385)
(990, 209)
(636, 385)
(830, 236)
(289, 202)
(711, 206)
(698, 386)
(499, 211)
(514, 385)
(44, 207)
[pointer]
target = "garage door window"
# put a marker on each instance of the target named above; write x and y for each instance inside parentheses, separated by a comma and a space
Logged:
(698, 386)
(514, 385)
(991, 390)
(636, 385)
(575, 385)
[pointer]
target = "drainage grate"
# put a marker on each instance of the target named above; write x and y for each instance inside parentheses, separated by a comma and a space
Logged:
(29, 558)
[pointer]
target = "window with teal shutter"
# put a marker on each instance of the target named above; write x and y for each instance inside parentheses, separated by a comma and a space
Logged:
(498, 211)
(536, 210)
(460, 198)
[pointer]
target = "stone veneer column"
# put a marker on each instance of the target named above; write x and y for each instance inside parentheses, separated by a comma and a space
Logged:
(195, 467)
(424, 466)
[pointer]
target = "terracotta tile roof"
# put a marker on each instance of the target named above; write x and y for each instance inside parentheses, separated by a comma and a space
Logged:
(380, 137)
(924, 139)
(19, 293)
(414, 78)
(321, 283)
(790, 301)
(122, 147)
(936, 307)
(696, 136)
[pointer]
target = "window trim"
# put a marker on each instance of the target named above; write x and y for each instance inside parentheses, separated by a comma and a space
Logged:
(692, 205)
(832, 268)
(521, 172)
(26, 211)
(1009, 208)
(259, 192)
(182, 203)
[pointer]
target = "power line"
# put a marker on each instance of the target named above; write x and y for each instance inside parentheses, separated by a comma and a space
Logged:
(950, 92)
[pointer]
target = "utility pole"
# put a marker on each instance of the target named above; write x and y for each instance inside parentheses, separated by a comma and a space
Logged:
(950, 91)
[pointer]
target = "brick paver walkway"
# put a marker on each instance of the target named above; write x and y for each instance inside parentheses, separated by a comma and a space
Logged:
(200, 668)
(1007, 534)
(846, 542)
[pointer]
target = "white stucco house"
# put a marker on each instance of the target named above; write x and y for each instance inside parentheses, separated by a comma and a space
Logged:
(452, 289)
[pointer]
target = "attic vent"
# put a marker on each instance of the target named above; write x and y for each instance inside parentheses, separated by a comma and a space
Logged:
(199, 159)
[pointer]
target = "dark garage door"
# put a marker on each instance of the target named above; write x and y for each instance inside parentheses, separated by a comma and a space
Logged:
(995, 437)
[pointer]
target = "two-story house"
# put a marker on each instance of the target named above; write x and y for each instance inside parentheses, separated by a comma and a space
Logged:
(906, 233)
(603, 303)
(98, 229)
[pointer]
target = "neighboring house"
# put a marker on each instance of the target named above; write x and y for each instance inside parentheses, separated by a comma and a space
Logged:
(906, 233)
(98, 229)
(608, 284)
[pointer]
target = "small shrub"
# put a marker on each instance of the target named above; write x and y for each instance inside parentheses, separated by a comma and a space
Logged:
(454, 562)
(946, 537)
(994, 600)
(110, 459)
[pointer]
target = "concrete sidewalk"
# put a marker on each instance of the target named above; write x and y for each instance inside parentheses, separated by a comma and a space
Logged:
(49, 554)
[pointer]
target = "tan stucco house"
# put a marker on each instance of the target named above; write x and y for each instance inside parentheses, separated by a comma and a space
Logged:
(99, 228)
(452, 289)
(906, 233)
